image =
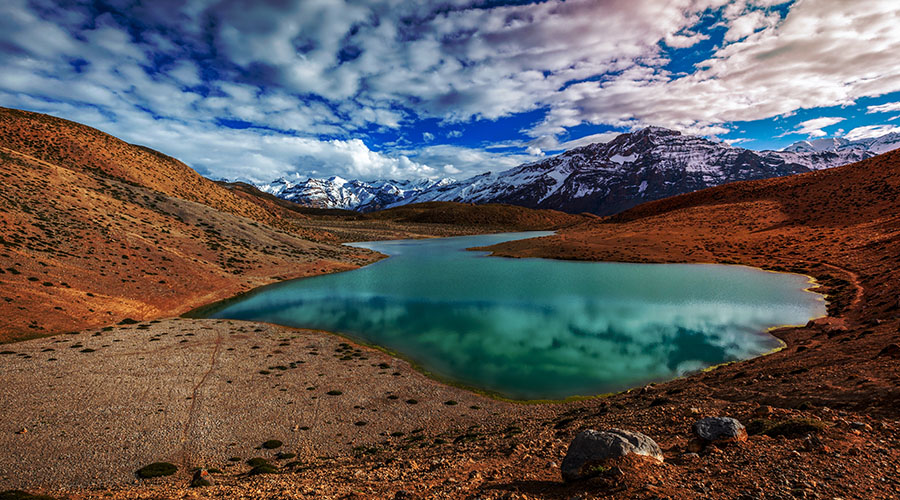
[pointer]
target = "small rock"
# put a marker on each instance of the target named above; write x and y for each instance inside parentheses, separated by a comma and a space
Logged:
(762, 411)
(590, 448)
(860, 426)
(201, 478)
(695, 446)
(719, 430)
(813, 443)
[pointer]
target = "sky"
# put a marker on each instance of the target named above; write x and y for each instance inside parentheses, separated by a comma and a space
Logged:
(370, 89)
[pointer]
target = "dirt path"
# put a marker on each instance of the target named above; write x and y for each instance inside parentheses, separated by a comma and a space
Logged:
(854, 279)
(188, 446)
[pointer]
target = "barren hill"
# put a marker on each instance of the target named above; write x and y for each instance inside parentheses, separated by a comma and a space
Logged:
(87, 150)
(94, 230)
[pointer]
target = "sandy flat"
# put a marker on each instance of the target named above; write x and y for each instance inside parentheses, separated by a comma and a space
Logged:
(194, 393)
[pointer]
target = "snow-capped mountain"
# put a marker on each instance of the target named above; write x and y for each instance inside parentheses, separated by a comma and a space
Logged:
(885, 143)
(820, 145)
(336, 192)
(645, 165)
(602, 178)
(876, 145)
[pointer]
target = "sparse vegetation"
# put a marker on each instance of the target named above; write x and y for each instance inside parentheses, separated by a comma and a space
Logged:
(22, 495)
(272, 444)
(156, 469)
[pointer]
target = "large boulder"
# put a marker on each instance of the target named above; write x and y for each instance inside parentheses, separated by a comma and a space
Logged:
(719, 430)
(595, 448)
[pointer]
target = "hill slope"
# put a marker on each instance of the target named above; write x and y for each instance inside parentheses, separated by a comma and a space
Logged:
(841, 226)
(94, 230)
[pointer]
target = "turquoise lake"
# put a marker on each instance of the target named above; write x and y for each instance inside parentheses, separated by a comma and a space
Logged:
(536, 328)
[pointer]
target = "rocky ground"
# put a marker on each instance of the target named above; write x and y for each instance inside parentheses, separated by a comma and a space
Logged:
(87, 410)
(209, 393)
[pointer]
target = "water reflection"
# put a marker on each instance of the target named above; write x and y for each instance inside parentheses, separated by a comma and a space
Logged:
(532, 328)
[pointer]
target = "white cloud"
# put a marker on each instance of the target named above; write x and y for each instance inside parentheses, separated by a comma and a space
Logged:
(463, 160)
(684, 40)
(883, 108)
(327, 72)
(750, 23)
(823, 53)
(870, 131)
(427, 136)
(813, 128)
(551, 144)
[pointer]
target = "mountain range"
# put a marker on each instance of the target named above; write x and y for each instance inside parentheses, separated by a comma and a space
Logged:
(602, 178)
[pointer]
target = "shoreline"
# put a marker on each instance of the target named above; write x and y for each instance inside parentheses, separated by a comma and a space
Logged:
(203, 312)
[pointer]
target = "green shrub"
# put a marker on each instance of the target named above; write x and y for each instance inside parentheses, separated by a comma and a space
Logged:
(796, 427)
(263, 469)
(22, 495)
(272, 444)
(759, 426)
(156, 469)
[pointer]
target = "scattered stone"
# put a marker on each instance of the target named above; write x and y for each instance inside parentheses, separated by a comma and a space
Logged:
(591, 449)
(719, 430)
(201, 478)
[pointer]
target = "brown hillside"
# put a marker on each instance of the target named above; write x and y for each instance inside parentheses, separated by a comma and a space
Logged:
(94, 230)
(84, 149)
(493, 214)
(841, 226)
(80, 250)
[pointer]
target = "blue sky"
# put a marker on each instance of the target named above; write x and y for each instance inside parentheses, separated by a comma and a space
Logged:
(370, 89)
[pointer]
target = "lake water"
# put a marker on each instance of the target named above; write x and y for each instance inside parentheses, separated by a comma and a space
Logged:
(535, 328)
